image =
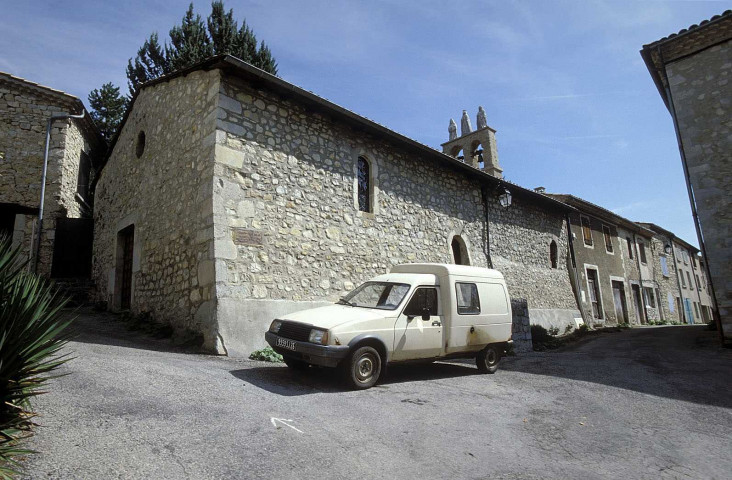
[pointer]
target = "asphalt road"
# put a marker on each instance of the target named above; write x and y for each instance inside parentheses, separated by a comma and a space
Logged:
(642, 403)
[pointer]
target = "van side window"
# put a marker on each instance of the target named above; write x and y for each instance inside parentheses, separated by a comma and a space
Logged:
(468, 302)
(423, 302)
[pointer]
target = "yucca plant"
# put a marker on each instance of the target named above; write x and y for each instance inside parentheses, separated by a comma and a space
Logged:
(32, 331)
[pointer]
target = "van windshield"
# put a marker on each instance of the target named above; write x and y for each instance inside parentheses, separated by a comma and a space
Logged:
(382, 295)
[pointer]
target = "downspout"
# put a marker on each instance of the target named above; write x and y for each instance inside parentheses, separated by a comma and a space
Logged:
(574, 267)
(692, 200)
(484, 193)
(58, 116)
(640, 276)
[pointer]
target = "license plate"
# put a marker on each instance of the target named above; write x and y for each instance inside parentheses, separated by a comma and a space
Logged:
(285, 343)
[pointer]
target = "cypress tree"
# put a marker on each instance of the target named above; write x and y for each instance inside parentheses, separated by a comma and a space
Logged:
(195, 40)
(108, 108)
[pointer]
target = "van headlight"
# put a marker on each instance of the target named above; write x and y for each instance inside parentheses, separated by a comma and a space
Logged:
(318, 336)
(274, 327)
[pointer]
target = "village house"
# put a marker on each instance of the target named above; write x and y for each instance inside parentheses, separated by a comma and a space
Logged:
(231, 196)
(66, 235)
(691, 70)
(615, 276)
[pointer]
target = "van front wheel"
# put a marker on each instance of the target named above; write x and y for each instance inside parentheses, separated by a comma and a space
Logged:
(487, 359)
(363, 368)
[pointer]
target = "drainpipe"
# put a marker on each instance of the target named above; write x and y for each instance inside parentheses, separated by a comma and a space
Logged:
(484, 191)
(640, 276)
(57, 116)
(692, 200)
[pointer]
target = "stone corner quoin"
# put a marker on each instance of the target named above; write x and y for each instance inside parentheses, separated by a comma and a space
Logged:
(243, 208)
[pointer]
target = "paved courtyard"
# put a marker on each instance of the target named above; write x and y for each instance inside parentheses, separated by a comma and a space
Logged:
(643, 403)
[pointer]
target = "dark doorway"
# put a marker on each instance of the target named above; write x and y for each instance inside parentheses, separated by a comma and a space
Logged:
(637, 299)
(594, 288)
(621, 309)
(7, 222)
(126, 241)
(72, 248)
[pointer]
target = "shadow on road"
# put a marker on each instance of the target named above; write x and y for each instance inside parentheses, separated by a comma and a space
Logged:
(283, 381)
(677, 362)
(104, 328)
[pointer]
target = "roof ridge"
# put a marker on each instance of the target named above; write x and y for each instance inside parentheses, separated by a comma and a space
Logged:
(38, 85)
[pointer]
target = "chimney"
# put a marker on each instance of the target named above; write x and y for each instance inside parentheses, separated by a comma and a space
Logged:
(540, 190)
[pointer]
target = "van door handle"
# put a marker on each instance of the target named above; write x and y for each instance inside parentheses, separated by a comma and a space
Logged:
(436, 324)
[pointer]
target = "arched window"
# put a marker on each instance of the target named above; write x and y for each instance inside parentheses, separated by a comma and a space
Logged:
(364, 186)
(459, 251)
(553, 253)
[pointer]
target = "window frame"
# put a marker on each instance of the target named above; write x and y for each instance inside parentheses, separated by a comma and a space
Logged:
(372, 183)
(608, 238)
(586, 230)
(553, 254)
(630, 247)
(458, 296)
(664, 265)
(649, 297)
(436, 289)
(642, 253)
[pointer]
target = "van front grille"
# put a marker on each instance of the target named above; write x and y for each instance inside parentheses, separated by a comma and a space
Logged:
(295, 331)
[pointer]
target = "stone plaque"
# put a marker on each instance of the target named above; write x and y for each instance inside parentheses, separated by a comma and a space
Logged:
(243, 236)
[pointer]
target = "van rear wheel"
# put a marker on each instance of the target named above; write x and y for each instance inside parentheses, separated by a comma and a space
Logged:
(363, 368)
(487, 359)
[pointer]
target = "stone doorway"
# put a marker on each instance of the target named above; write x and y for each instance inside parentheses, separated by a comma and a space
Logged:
(621, 308)
(638, 301)
(125, 249)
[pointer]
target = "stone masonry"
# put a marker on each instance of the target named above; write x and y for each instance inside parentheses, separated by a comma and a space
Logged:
(24, 110)
(701, 90)
(692, 71)
(245, 203)
(166, 194)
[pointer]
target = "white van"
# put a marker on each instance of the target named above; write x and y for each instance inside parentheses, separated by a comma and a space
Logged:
(416, 312)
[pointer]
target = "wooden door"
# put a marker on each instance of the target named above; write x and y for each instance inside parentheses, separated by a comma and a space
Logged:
(621, 310)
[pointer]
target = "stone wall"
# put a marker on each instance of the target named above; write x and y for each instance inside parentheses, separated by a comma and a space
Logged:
(166, 194)
(289, 235)
(24, 112)
(520, 238)
(668, 285)
(701, 89)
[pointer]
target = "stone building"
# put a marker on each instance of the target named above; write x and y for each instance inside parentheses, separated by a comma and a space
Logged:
(614, 277)
(66, 236)
(692, 70)
(231, 197)
(695, 300)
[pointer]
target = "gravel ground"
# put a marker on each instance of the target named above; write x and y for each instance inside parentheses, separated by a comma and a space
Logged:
(650, 402)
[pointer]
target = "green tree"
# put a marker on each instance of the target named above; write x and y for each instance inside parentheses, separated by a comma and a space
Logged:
(108, 108)
(195, 40)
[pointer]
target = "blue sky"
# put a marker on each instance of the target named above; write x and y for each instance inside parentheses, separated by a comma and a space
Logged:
(562, 82)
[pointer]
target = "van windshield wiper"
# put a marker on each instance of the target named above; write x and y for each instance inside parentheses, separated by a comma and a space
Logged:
(343, 301)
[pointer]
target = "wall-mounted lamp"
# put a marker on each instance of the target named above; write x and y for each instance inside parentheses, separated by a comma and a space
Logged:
(667, 249)
(505, 198)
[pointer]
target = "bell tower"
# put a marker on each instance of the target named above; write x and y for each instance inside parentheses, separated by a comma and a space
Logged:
(476, 148)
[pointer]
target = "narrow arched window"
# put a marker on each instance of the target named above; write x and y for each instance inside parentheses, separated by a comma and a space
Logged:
(364, 186)
(459, 251)
(553, 253)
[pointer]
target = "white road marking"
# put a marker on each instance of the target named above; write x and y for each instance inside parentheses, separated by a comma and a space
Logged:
(283, 421)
